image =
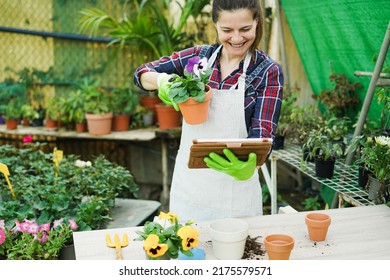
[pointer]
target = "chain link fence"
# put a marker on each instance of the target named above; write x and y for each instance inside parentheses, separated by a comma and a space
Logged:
(43, 36)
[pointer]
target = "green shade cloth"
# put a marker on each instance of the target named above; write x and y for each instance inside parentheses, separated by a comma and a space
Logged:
(346, 34)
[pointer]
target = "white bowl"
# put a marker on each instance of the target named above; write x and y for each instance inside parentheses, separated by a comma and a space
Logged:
(228, 237)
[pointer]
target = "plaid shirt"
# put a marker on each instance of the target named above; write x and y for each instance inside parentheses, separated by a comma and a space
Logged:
(263, 96)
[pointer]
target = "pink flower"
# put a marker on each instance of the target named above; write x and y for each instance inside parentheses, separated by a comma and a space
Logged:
(72, 224)
(33, 229)
(44, 227)
(24, 227)
(17, 226)
(57, 223)
(2, 224)
(2, 236)
(43, 238)
(27, 139)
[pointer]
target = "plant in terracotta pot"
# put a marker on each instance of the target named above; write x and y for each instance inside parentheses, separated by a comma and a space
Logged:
(123, 102)
(12, 114)
(97, 107)
(191, 91)
(29, 113)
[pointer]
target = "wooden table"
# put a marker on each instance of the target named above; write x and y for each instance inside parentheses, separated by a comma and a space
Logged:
(355, 233)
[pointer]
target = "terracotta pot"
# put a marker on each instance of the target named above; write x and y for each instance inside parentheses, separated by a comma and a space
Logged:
(120, 122)
(195, 112)
(167, 116)
(279, 246)
(81, 127)
(11, 124)
(99, 124)
(51, 124)
(149, 102)
(317, 225)
(25, 122)
(228, 238)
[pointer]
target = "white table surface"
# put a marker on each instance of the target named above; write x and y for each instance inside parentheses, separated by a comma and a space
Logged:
(355, 233)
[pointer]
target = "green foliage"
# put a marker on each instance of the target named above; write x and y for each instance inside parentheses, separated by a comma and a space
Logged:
(123, 100)
(311, 203)
(84, 193)
(319, 145)
(147, 28)
(375, 156)
(96, 98)
(182, 88)
(342, 99)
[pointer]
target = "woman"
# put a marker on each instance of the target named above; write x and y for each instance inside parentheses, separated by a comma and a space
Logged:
(241, 106)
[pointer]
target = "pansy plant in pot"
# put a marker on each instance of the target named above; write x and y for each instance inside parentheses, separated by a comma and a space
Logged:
(191, 91)
(167, 237)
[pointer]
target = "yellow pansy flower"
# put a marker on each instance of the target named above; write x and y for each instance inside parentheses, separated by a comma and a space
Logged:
(168, 216)
(153, 248)
(189, 237)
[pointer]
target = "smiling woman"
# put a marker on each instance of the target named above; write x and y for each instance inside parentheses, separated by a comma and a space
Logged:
(247, 89)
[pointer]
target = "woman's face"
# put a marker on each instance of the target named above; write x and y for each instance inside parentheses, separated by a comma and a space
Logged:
(236, 31)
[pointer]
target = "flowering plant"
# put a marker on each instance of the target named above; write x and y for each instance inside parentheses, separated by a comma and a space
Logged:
(161, 239)
(29, 240)
(375, 155)
(193, 83)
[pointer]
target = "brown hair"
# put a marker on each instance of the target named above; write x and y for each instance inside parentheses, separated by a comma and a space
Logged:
(232, 5)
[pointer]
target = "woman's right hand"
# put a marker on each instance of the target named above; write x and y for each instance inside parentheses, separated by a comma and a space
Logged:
(163, 85)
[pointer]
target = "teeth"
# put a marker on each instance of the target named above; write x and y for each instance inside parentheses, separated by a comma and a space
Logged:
(237, 45)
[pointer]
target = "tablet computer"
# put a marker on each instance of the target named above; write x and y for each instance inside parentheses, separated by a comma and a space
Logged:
(241, 148)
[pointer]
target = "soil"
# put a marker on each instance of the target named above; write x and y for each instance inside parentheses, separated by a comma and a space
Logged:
(254, 249)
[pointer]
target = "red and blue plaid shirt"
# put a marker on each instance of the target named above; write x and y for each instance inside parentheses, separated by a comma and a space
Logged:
(263, 94)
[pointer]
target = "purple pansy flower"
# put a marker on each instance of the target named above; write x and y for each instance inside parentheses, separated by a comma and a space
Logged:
(191, 64)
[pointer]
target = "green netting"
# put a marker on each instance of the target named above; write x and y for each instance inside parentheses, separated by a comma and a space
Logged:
(345, 33)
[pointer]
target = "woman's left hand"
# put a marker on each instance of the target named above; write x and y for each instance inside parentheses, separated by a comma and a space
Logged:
(240, 170)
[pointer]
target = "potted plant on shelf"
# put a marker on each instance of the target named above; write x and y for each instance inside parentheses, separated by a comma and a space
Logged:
(324, 152)
(12, 114)
(191, 91)
(97, 108)
(375, 156)
(166, 237)
(342, 99)
(123, 102)
(28, 114)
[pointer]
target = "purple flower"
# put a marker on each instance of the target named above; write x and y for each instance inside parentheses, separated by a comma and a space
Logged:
(191, 63)
(201, 67)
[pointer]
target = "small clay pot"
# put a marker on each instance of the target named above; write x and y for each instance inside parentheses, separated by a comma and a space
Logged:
(317, 225)
(278, 246)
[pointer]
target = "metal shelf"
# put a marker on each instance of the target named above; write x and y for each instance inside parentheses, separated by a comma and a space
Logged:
(344, 180)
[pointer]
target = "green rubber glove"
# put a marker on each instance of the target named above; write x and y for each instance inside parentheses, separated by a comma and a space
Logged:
(163, 90)
(240, 170)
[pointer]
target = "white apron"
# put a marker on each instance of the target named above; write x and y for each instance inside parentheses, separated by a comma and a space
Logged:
(206, 194)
